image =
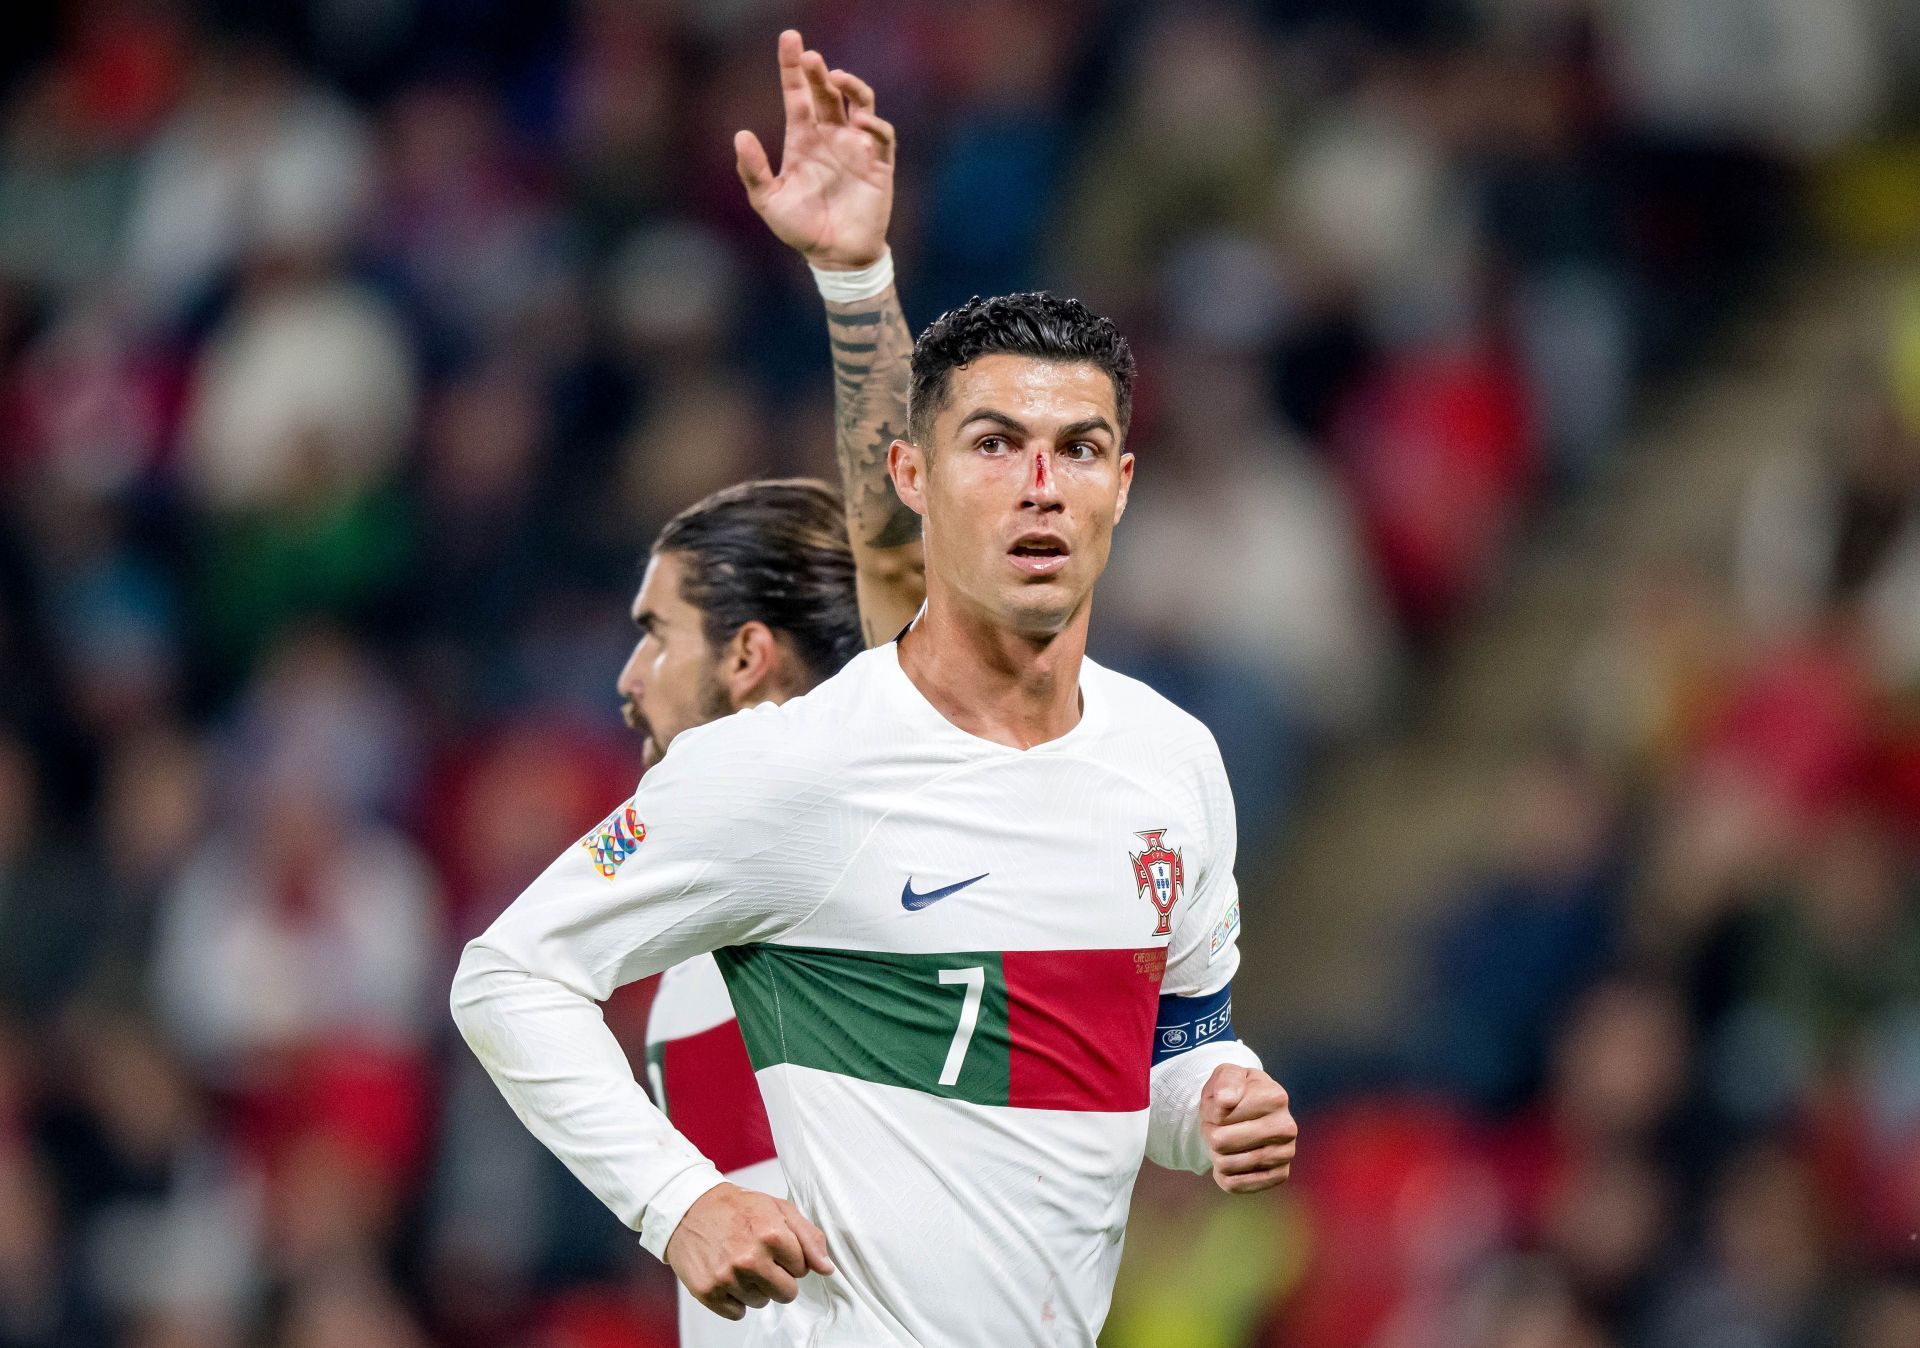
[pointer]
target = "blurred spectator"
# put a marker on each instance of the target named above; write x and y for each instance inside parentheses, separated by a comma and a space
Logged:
(1439, 448)
(1002, 70)
(1793, 75)
(1611, 1229)
(164, 1220)
(513, 801)
(307, 393)
(1889, 1315)
(1840, 524)
(257, 158)
(323, 719)
(1654, 674)
(302, 405)
(300, 929)
(351, 1311)
(92, 407)
(1618, 1095)
(512, 805)
(1821, 967)
(491, 544)
(63, 189)
(155, 803)
(41, 1302)
(1520, 1303)
(49, 924)
(296, 952)
(114, 615)
(461, 214)
(1403, 1206)
(1193, 146)
(70, 131)
(1519, 943)
(1554, 223)
(1373, 193)
(620, 110)
(1758, 1280)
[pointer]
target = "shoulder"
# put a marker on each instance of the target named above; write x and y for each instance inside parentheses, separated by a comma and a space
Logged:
(1138, 716)
(1143, 727)
(781, 748)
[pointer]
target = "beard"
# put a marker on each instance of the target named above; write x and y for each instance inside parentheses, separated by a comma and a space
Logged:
(710, 703)
(714, 700)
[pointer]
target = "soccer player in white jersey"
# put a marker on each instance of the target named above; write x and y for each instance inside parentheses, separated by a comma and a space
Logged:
(973, 899)
(762, 590)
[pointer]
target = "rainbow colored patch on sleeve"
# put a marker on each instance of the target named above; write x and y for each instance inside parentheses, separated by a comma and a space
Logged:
(618, 838)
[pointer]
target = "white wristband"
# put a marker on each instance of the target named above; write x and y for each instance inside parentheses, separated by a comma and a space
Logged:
(850, 287)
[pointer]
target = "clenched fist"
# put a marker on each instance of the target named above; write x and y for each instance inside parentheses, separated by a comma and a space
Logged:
(736, 1249)
(1248, 1128)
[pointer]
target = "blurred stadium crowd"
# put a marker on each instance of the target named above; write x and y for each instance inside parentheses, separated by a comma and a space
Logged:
(352, 350)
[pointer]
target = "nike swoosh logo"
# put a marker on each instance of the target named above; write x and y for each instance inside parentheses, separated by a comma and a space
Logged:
(913, 902)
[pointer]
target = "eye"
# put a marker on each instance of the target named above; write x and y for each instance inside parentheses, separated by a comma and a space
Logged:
(1082, 450)
(993, 444)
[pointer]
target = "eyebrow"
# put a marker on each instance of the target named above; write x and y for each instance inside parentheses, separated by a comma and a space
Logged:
(1018, 427)
(1086, 424)
(1013, 424)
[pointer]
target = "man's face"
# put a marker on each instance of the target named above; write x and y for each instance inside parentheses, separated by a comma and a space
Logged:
(1025, 482)
(671, 682)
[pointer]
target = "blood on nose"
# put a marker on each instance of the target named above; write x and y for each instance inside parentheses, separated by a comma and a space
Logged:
(1042, 480)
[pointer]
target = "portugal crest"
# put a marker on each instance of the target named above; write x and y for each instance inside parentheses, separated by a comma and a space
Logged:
(1158, 873)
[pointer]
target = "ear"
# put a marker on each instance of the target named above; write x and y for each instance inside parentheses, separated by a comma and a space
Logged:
(752, 665)
(1126, 485)
(907, 466)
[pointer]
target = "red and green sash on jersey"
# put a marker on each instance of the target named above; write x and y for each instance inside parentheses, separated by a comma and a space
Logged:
(1032, 1029)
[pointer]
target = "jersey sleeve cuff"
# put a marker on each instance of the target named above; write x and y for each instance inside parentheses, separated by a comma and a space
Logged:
(1174, 1137)
(670, 1203)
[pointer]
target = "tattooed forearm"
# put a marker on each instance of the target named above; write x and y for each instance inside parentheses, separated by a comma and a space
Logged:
(872, 349)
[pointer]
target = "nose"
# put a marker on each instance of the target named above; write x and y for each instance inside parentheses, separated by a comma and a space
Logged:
(628, 684)
(1042, 482)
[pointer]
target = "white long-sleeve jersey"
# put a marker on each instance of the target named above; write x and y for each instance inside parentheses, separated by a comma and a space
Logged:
(951, 961)
(702, 1079)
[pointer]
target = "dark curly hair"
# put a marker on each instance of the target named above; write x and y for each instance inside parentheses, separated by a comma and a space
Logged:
(1031, 323)
(774, 552)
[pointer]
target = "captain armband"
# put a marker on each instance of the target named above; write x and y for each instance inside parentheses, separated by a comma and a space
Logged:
(1187, 1022)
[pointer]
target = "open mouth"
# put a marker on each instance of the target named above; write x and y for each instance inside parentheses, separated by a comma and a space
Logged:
(1039, 554)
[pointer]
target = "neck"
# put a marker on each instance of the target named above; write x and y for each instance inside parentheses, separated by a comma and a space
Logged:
(991, 682)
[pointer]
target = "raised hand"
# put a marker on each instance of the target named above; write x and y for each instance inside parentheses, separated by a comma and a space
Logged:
(833, 195)
(737, 1249)
(1248, 1127)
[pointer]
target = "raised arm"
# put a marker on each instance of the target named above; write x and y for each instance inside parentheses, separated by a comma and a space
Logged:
(871, 348)
(831, 202)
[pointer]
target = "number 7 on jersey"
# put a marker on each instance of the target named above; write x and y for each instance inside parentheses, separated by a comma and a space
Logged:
(976, 983)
